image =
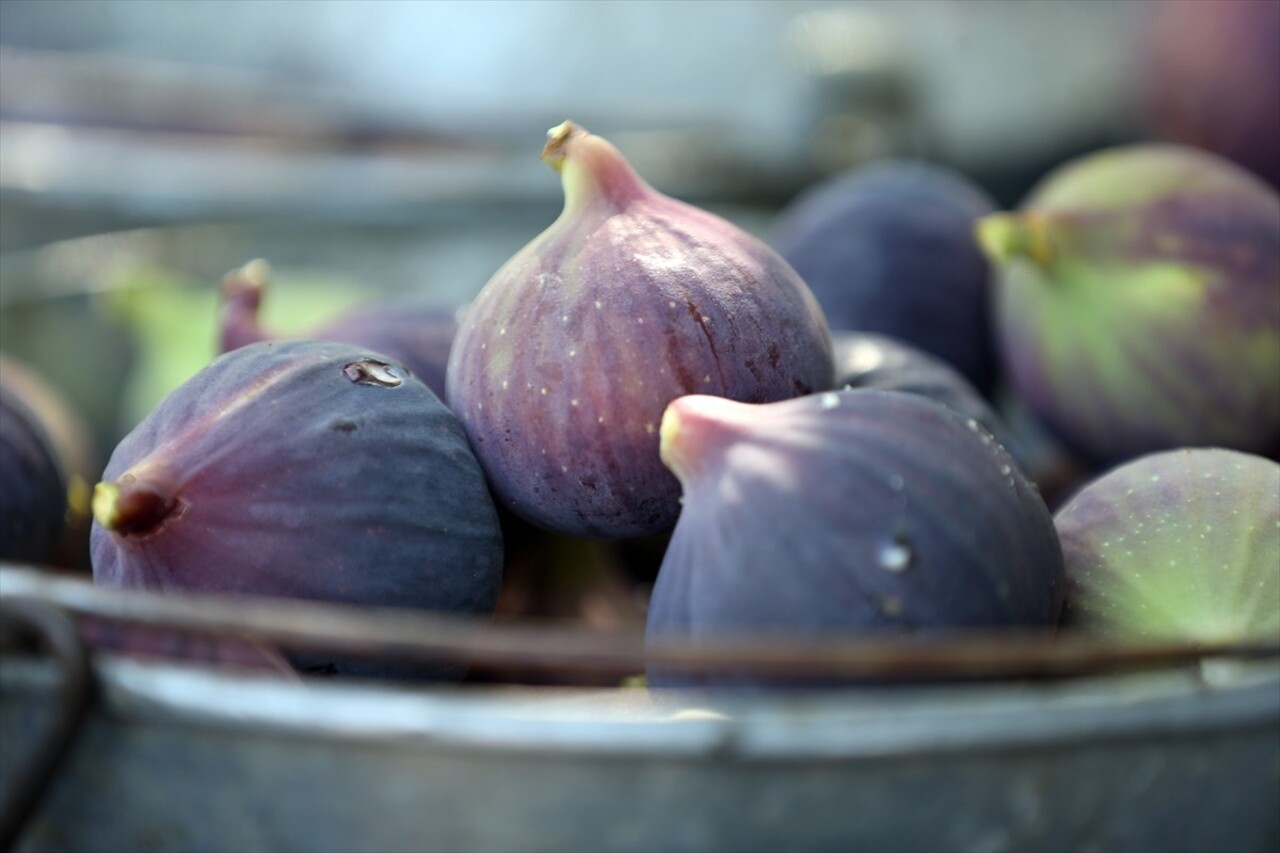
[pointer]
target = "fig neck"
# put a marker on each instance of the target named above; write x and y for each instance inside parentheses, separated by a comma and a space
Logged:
(1005, 236)
(593, 172)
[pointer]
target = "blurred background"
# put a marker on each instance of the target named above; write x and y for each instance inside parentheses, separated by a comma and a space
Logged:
(147, 146)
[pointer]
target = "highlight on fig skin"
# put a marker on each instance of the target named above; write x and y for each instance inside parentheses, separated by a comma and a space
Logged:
(129, 507)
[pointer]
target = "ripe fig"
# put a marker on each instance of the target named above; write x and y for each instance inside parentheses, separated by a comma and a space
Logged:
(301, 469)
(45, 463)
(1139, 303)
(415, 332)
(844, 512)
(878, 361)
(1210, 77)
(888, 248)
(1178, 545)
(565, 360)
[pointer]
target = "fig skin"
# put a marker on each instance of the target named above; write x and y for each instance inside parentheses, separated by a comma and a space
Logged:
(301, 469)
(847, 512)
(46, 464)
(1210, 77)
(565, 360)
(879, 361)
(1178, 545)
(888, 248)
(414, 332)
(1139, 303)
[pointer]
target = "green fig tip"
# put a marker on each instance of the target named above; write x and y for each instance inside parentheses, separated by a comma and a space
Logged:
(553, 153)
(1003, 236)
(105, 498)
(127, 506)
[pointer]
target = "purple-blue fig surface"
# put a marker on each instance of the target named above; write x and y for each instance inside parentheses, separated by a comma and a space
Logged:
(847, 512)
(45, 470)
(416, 332)
(865, 360)
(888, 248)
(566, 359)
(1210, 77)
(1139, 303)
(1181, 545)
(301, 469)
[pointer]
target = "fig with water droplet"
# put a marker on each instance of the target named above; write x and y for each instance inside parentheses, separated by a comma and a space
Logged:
(1139, 303)
(45, 460)
(414, 331)
(566, 359)
(888, 248)
(846, 512)
(1179, 545)
(301, 469)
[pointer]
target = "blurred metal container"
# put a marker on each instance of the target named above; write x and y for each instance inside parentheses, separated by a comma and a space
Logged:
(183, 759)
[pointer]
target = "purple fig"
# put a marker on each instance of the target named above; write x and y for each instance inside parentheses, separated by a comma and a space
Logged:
(888, 248)
(45, 470)
(301, 469)
(879, 361)
(1180, 545)
(845, 512)
(565, 360)
(1210, 77)
(415, 332)
(1139, 303)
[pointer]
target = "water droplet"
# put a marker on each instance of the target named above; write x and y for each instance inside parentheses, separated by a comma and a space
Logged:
(830, 400)
(1006, 470)
(366, 371)
(895, 555)
(972, 424)
(896, 482)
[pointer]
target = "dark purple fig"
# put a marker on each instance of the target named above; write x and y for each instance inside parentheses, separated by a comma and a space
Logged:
(45, 460)
(888, 248)
(1139, 303)
(847, 512)
(1210, 75)
(1180, 545)
(879, 361)
(567, 357)
(413, 331)
(301, 469)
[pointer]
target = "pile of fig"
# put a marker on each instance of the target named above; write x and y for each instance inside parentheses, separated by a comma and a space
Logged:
(645, 381)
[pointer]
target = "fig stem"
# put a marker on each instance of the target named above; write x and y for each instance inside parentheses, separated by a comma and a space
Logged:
(1003, 236)
(591, 169)
(129, 507)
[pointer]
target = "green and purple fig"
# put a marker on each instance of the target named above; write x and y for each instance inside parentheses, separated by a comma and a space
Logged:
(1139, 303)
(45, 470)
(416, 332)
(1179, 545)
(888, 248)
(301, 469)
(847, 512)
(564, 362)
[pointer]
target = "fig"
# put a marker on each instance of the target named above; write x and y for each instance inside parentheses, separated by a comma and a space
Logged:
(1178, 545)
(866, 360)
(888, 248)
(565, 360)
(45, 466)
(847, 512)
(1139, 303)
(301, 469)
(1210, 77)
(415, 332)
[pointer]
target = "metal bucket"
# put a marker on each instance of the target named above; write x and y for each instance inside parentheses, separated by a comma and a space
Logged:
(174, 757)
